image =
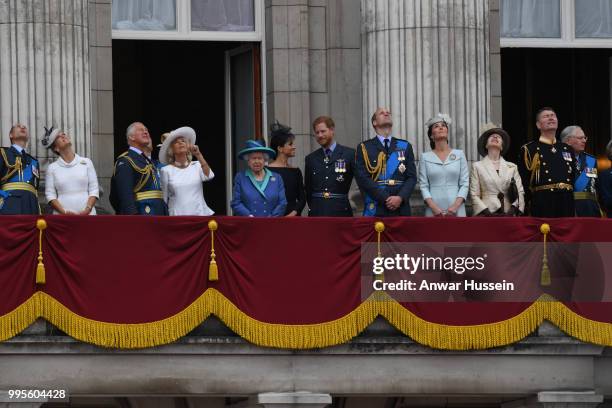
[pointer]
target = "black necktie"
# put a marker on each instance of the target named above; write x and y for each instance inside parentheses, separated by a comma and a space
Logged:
(24, 157)
(387, 145)
(146, 158)
(328, 153)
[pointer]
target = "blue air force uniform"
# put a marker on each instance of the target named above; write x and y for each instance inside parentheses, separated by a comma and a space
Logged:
(548, 173)
(328, 177)
(586, 186)
(19, 178)
(382, 172)
(136, 186)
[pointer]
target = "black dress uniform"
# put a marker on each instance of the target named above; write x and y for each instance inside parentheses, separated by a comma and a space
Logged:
(548, 172)
(586, 186)
(328, 180)
(383, 172)
(136, 186)
(19, 178)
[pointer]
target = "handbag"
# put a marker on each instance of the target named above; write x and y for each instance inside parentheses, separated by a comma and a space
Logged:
(512, 191)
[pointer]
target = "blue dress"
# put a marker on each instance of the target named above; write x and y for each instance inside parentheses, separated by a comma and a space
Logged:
(258, 199)
(444, 181)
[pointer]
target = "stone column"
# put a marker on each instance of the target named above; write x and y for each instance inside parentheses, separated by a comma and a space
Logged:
(299, 399)
(426, 56)
(44, 70)
(559, 399)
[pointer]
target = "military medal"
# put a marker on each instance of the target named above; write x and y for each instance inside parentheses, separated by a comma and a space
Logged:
(340, 178)
(401, 156)
(35, 172)
(326, 160)
(591, 172)
(567, 156)
(402, 168)
(554, 150)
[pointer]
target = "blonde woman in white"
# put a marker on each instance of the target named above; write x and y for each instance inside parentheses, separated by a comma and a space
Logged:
(71, 183)
(182, 178)
(495, 184)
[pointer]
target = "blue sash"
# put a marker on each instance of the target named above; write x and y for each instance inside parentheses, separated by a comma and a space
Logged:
(393, 162)
(583, 181)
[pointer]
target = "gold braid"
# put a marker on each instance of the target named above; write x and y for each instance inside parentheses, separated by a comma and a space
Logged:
(12, 169)
(533, 166)
(146, 172)
(374, 170)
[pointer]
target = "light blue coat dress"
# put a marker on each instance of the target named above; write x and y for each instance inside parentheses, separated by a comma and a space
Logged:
(443, 182)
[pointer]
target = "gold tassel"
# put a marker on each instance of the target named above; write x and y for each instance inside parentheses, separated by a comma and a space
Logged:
(213, 269)
(545, 276)
(379, 227)
(40, 269)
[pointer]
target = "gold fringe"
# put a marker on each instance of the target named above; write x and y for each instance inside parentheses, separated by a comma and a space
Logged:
(17, 320)
(307, 336)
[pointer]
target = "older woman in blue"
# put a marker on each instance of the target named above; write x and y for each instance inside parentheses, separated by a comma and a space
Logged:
(443, 173)
(258, 192)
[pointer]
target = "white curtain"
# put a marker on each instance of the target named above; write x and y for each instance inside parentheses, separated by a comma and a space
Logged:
(594, 18)
(157, 15)
(530, 18)
(222, 15)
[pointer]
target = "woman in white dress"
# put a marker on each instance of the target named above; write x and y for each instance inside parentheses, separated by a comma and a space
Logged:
(443, 172)
(71, 183)
(182, 178)
(495, 184)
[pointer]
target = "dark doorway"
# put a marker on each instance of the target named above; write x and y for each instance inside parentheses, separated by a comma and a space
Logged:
(575, 82)
(169, 84)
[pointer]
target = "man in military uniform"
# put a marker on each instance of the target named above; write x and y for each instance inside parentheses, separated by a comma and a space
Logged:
(385, 170)
(547, 169)
(136, 183)
(328, 173)
(19, 175)
(586, 184)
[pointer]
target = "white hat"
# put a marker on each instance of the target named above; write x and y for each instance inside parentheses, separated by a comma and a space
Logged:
(186, 132)
(49, 137)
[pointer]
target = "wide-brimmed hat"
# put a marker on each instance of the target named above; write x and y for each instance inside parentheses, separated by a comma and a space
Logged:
(253, 146)
(49, 137)
(486, 131)
(185, 131)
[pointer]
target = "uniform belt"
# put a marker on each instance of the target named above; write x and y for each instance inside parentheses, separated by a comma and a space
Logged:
(19, 186)
(555, 186)
(585, 195)
(327, 195)
(389, 182)
(149, 195)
